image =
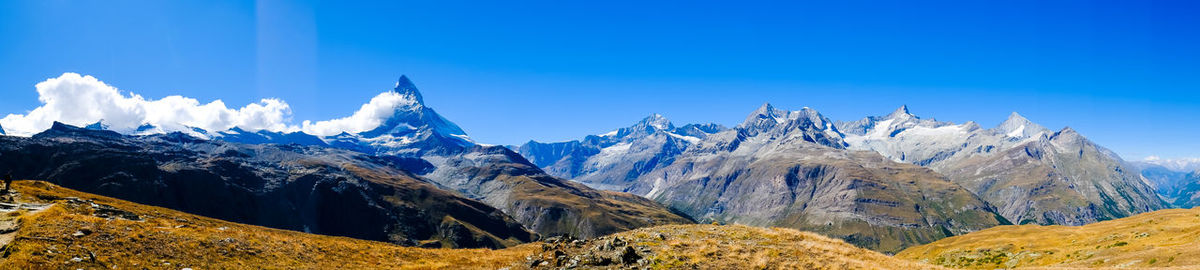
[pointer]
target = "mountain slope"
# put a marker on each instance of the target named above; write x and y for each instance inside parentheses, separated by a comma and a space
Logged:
(75, 230)
(498, 176)
(310, 189)
(613, 161)
(1157, 239)
(1031, 174)
(548, 205)
(714, 247)
(59, 228)
(789, 169)
(413, 139)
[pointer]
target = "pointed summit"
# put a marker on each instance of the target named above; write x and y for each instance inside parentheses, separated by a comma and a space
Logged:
(98, 125)
(765, 108)
(1018, 127)
(900, 112)
(404, 86)
(656, 121)
(763, 115)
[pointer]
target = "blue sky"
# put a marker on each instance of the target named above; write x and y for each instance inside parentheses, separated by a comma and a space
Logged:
(1124, 73)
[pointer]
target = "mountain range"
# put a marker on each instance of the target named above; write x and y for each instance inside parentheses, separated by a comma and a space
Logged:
(1032, 174)
(414, 179)
(777, 168)
(890, 175)
(880, 182)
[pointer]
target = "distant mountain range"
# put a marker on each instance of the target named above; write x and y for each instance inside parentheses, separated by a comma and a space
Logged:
(1032, 174)
(776, 168)
(1177, 181)
(855, 171)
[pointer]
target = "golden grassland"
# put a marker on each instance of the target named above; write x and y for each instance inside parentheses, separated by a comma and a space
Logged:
(72, 233)
(69, 236)
(745, 247)
(1165, 238)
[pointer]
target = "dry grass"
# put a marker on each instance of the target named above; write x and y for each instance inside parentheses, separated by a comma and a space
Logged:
(734, 247)
(1164, 238)
(70, 235)
(167, 239)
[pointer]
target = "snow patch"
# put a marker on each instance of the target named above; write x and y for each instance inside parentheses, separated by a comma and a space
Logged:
(1017, 132)
(689, 139)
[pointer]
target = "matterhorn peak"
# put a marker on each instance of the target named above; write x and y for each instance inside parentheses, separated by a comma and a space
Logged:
(404, 86)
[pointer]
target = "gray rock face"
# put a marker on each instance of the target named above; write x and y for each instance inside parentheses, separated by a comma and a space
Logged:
(789, 169)
(613, 161)
(1031, 174)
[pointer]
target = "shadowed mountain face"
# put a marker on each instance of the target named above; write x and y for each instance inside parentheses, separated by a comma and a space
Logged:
(1031, 174)
(311, 189)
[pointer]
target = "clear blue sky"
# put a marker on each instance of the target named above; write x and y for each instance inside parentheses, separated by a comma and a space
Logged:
(1124, 73)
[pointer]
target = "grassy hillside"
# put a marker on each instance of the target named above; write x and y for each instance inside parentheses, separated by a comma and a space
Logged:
(1164, 238)
(53, 227)
(95, 232)
(713, 247)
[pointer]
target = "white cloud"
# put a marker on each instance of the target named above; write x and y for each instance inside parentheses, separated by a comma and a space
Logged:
(81, 100)
(367, 117)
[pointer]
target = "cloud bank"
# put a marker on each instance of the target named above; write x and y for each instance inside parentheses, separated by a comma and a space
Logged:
(367, 117)
(80, 100)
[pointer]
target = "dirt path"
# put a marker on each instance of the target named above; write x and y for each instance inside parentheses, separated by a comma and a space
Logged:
(10, 217)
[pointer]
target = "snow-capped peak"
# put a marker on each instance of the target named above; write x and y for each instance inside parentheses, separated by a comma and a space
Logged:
(98, 125)
(765, 115)
(404, 86)
(1017, 126)
(901, 112)
(657, 121)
